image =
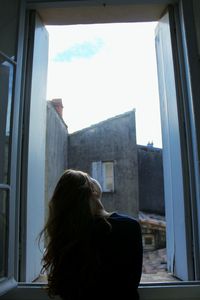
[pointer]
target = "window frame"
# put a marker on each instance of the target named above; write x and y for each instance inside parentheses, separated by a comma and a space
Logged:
(149, 291)
(6, 187)
(99, 173)
(180, 2)
(10, 281)
(7, 280)
(183, 290)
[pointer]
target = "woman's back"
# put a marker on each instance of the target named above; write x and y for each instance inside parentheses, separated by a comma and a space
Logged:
(106, 266)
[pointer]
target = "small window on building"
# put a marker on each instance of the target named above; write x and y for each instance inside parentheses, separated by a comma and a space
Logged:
(148, 241)
(103, 172)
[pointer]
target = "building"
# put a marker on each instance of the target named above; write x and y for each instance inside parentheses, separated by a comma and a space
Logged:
(56, 153)
(126, 171)
(151, 197)
(150, 173)
(109, 153)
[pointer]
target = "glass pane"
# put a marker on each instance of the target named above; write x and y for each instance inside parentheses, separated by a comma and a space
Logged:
(8, 27)
(6, 90)
(109, 169)
(3, 230)
(109, 183)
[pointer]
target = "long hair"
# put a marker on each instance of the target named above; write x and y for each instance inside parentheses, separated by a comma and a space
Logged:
(69, 227)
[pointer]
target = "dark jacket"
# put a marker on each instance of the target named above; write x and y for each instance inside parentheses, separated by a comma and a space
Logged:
(110, 267)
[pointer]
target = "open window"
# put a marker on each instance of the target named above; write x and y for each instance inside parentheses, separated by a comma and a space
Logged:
(182, 257)
(179, 227)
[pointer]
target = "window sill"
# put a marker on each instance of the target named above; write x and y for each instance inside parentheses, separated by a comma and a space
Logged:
(6, 285)
(160, 291)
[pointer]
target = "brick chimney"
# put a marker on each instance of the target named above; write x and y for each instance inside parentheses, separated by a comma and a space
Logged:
(57, 103)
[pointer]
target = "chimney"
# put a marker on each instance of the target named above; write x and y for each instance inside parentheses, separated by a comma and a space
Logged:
(150, 145)
(57, 103)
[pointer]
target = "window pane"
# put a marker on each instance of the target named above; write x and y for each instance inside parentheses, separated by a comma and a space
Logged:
(109, 184)
(108, 176)
(109, 169)
(6, 88)
(3, 230)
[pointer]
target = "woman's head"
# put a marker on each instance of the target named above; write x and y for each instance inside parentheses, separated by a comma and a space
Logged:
(74, 204)
(76, 192)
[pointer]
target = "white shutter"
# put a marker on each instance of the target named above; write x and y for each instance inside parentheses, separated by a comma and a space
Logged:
(97, 171)
(179, 252)
(36, 136)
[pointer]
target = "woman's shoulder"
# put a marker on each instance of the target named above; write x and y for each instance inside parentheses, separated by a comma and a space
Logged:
(124, 219)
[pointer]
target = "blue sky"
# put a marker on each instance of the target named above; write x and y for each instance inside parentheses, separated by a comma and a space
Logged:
(103, 70)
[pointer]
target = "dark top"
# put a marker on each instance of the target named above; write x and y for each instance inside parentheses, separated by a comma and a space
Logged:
(112, 269)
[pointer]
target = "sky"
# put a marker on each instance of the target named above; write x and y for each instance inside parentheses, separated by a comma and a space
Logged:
(104, 70)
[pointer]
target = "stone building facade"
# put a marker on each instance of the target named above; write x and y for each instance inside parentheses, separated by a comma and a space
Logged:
(150, 173)
(136, 182)
(151, 197)
(56, 149)
(114, 141)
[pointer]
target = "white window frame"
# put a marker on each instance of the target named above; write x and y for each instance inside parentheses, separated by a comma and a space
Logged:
(99, 173)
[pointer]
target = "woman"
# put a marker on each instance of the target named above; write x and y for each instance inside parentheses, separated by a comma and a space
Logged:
(90, 253)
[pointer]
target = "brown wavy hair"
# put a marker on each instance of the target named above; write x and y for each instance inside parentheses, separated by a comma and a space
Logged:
(69, 227)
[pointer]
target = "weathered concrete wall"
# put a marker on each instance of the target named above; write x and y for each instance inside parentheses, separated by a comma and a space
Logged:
(56, 149)
(150, 176)
(110, 140)
(138, 171)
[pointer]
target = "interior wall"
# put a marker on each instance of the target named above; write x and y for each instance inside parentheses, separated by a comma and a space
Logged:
(196, 5)
(8, 25)
(84, 12)
(100, 14)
